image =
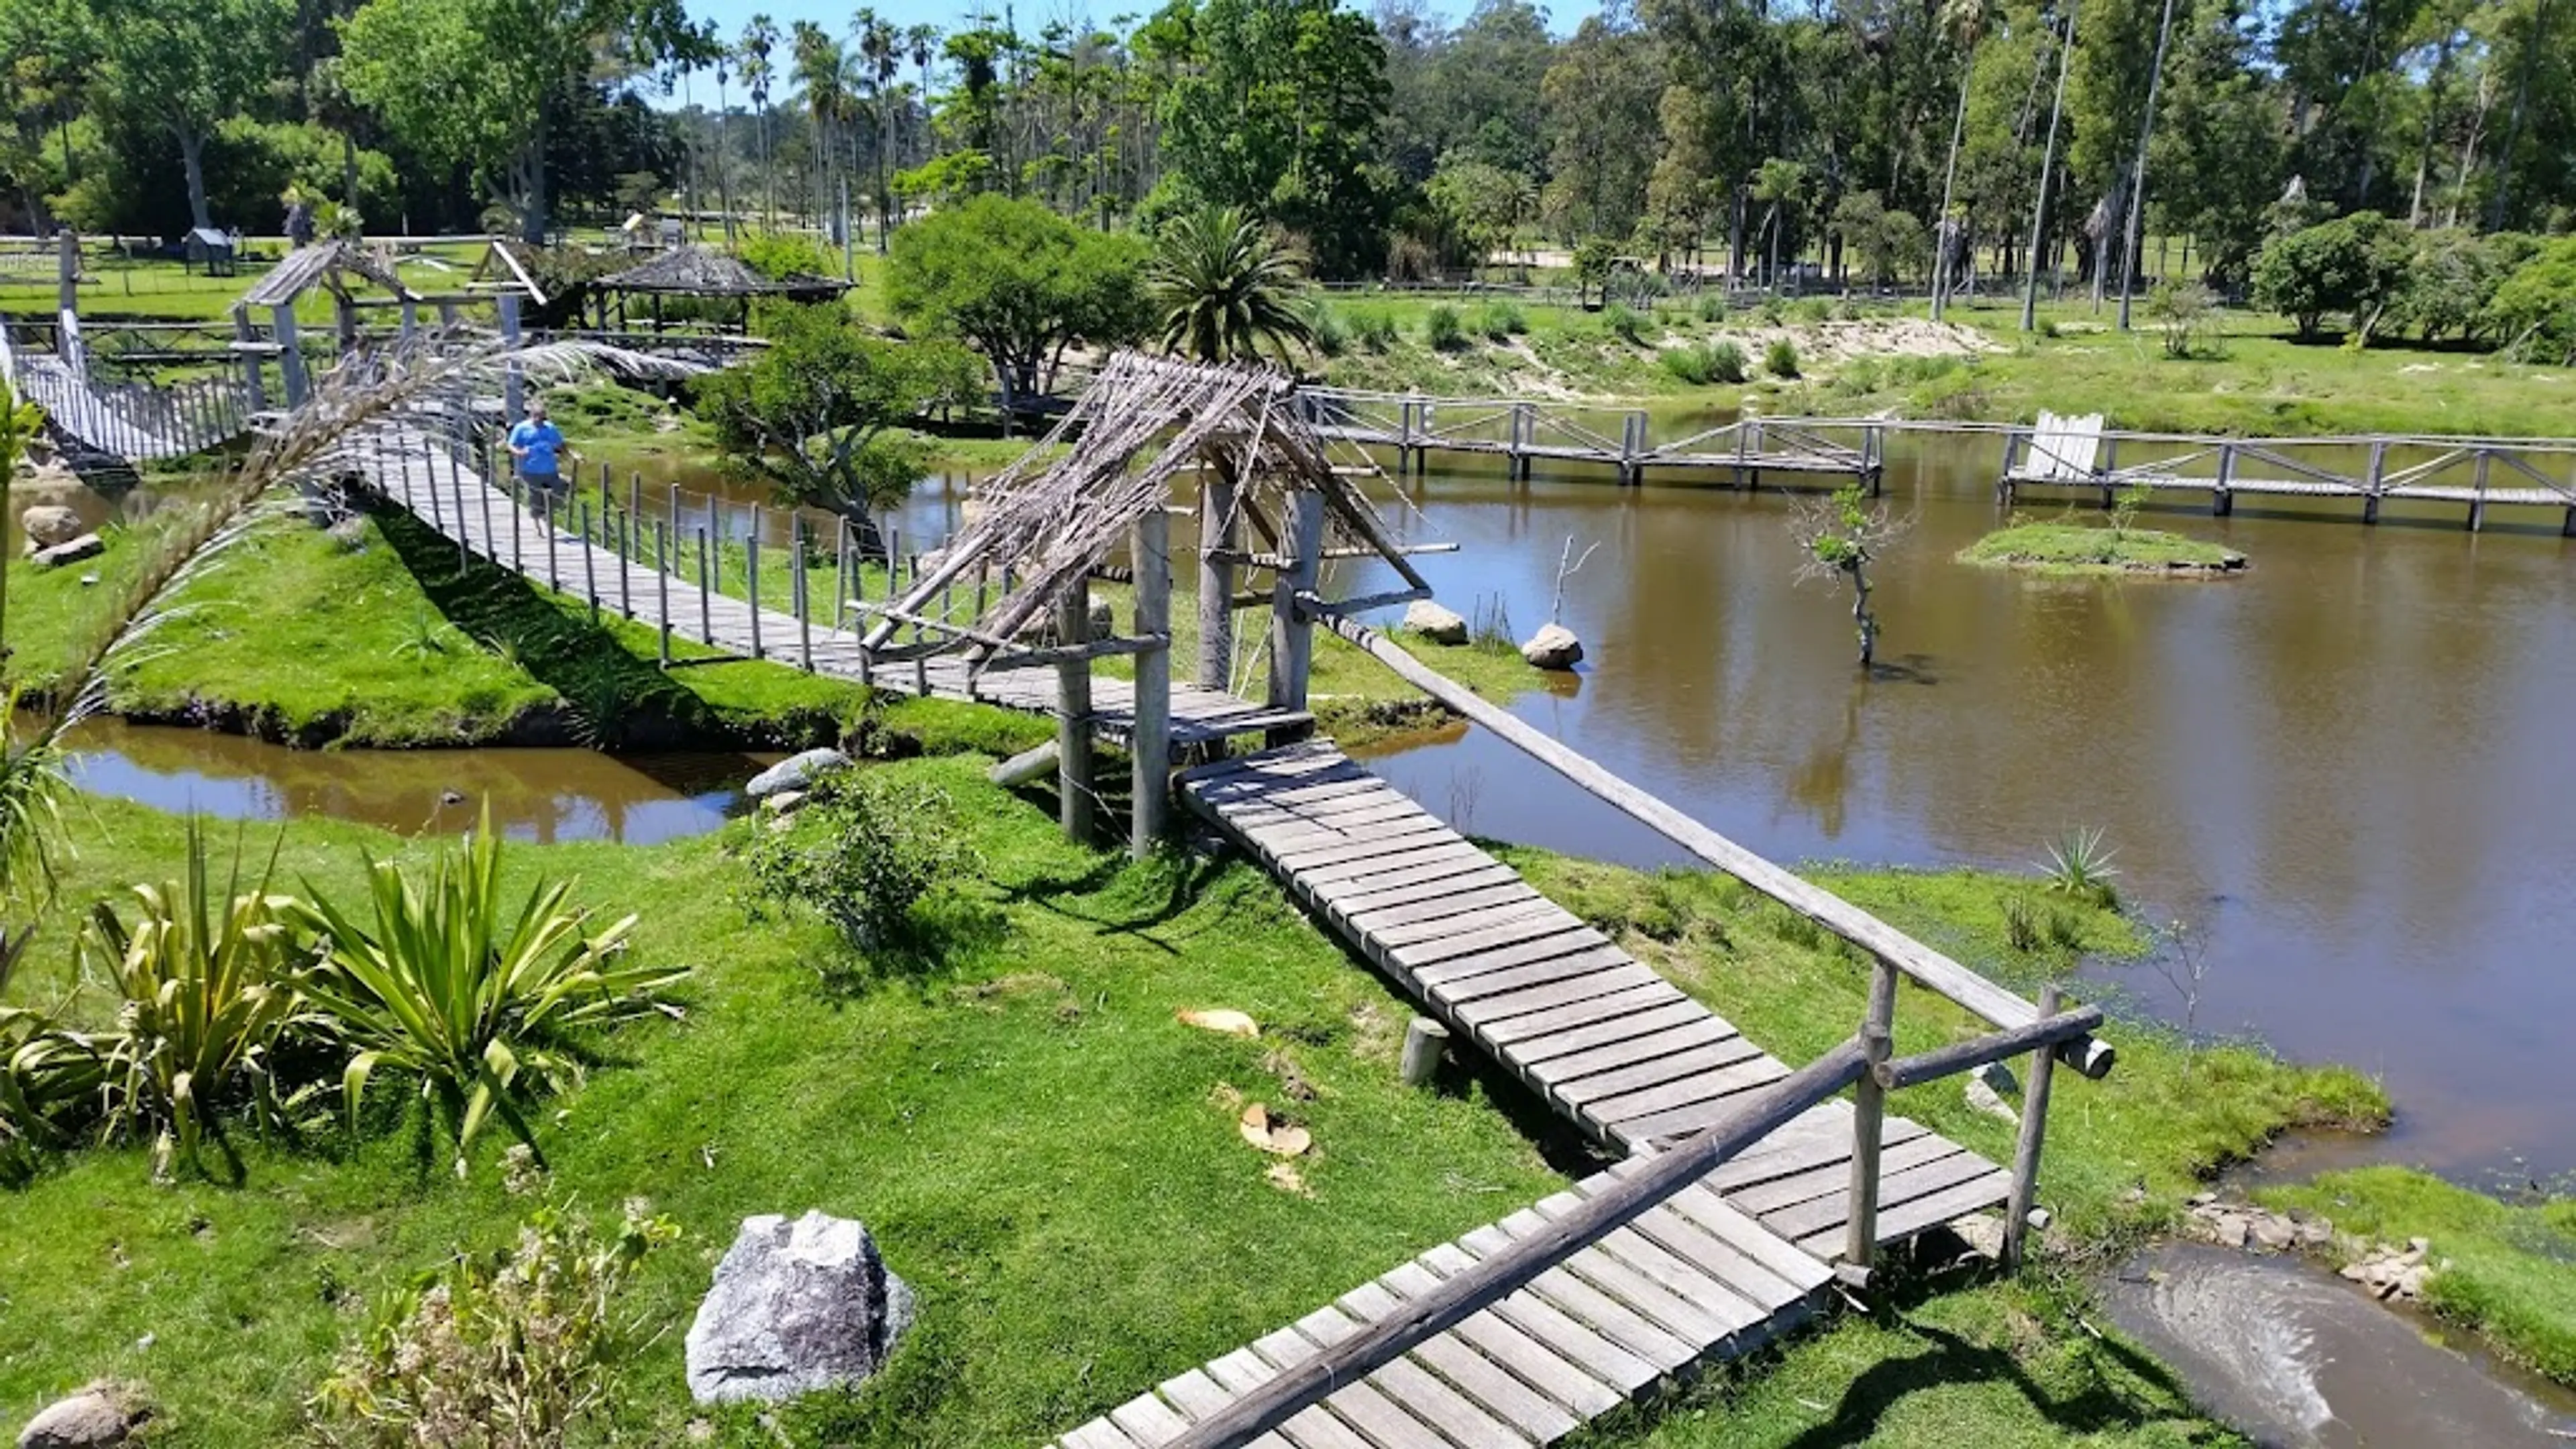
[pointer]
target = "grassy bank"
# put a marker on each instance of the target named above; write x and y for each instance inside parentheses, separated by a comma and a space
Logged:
(2079, 548)
(2507, 1272)
(1050, 1158)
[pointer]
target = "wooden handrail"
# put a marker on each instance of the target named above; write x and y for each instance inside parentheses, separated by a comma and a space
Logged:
(1457, 1299)
(2087, 1054)
(1967, 1056)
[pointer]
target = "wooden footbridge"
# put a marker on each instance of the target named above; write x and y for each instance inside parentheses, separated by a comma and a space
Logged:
(1744, 1190)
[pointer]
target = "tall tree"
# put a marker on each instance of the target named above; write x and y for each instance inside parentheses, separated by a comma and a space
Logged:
(188, 67)
(485, 83)
(751, 52)
(2047, 178)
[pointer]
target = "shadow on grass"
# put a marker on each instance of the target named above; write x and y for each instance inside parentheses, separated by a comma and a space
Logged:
(612, 697)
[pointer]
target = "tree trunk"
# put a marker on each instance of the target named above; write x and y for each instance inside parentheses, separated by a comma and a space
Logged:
(2047, 173)
(2513, 125)
(2138, 187)
(192, 158)
(1949, 182)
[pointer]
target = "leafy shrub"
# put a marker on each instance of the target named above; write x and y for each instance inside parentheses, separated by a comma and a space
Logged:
(865, 849)
(1774, 312)
(2355, 264)
(1374, 327)
(1331, 334)
(1780, 359)
(779, 255)
(2185, 313)
(1442, 328)
(504, 1352)
(1711, 306)
(1625, 323)
(1706, 362)
(1812, 309)
(2048, 327)
(47, 1076)
(479, 1001)
(207, 996)
(1501, 321)
(1906, 371)
(1860, 375)
(2534, 310)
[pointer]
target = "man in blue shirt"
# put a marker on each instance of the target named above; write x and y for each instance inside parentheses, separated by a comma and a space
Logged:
(538, 445)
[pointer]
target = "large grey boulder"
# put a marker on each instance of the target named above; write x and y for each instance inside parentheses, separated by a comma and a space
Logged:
(796, 1307)
(1553, 647)
(48, 524)
(1435, 622)
(795, 772)
(94, 1418)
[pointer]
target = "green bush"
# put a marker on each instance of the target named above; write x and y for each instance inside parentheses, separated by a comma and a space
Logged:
(1812, 309)
(1706, 362)
(477, 998)
(1374, 327)
(1501, 321)
(2355, 264)
(2534, 310)
(1442, 328)
(780, 255)
(1860, 375)
(1711, 306)
(1780, 359)
(863, 851)
(513, 1348)
(1625, 323)
(1331, 334)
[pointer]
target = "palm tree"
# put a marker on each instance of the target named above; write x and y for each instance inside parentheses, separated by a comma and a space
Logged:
(758, 38)
(880, 56)
(2138, 186)
(1222, 282)
(820, 71)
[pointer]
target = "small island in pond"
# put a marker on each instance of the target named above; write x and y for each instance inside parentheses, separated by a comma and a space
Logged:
(2076, 548)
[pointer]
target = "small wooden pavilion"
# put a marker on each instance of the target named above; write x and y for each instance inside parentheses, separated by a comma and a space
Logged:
(326, 264)
(1012, 589)
(718, 290)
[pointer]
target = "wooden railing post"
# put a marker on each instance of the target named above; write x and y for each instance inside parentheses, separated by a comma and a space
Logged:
(1073, 775)
(1150, 739)
(1292, 632)
(589, 563)
(751, 578)
(2373, 484)
(1869, 1116)
(2034, 1132)
(796, 569)
(1216, 576)
(2222, 499)
(662, 586)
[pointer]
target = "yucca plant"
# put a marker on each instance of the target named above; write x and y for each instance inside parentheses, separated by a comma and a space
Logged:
(47, 1075)
(2079, 865)
(206, 984)
(480, 1002)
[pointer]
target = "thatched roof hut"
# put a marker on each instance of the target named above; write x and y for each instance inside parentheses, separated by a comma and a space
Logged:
(707, 276)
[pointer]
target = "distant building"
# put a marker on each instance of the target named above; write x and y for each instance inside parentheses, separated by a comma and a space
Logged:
(209, 248)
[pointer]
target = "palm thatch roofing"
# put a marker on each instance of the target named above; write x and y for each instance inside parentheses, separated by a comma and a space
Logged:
(325, 263)
(693, 271)
(1044, 526)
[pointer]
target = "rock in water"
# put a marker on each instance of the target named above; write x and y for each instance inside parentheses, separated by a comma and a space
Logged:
(91, 1419)
(1553, 647)
(88, 545)
(48, 524)
(794, 772)
(1434, 622)
(796, 1307)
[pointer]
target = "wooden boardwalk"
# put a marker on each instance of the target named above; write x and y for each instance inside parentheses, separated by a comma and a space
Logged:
(1728, 1265)
(1525, 432)
(621, 574)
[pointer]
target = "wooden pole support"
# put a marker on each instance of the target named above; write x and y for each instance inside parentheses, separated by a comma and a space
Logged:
(2034, 1134)
(1869, 1116)
(1424, 1041)
(662, 586)
(1216, 580)
(1150, 736)
(706, 591)
(589, 563)
(1292, 632)
(751, 577)
(1073, 775)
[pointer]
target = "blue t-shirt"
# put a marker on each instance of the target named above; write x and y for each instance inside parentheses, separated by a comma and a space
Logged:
(543, 441)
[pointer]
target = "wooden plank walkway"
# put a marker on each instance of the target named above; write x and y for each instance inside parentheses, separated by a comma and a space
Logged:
(459, 503)
(1728, 1265)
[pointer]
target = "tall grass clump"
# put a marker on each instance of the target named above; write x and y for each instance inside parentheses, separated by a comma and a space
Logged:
(1326, 327)
(478, 999)
(1625, 323)
(1702, 363)
(1711, 306)
(1501, 321)
(1374, 328)
(1780, 359)
(1443, 328)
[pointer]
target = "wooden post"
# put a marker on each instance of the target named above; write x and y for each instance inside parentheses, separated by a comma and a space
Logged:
(1216, 574)
(2222, 499)
(1743, 437)
(514, 382)
(67, 282)
(796, 580)
(2372, 483)
(2478, 504)
(518, 513)
(662, 586)
(1292, 633)
(1521, 435)
(842, 583)
(751, 577)
(2109, 465)
(1869, 1116)
(1150, 740)
(290, 356)
(2004, 486)
(706, 591)
(589, 562)
(554, 540)
(1073, 775)
(455, 497)
(1424, 1041)
(2034, 1133)
(1632, 442)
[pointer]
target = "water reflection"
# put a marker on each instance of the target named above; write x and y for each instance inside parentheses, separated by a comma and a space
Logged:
(535, 795)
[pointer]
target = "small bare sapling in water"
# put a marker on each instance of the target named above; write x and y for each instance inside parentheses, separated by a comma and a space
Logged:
(1839, 537)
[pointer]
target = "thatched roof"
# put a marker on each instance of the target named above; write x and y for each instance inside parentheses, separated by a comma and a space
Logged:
(694, 271)
(323, 262)
(1062, 510)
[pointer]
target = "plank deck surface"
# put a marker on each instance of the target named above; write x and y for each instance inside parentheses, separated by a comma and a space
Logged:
(1728, 1265)
(459, 503)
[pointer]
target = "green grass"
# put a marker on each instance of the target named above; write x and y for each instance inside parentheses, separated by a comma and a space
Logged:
(2079, 548)
(1050, 1158)
(2507, 1272)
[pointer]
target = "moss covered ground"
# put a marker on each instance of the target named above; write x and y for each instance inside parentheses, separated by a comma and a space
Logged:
(1050, 1157)
(2079, 548)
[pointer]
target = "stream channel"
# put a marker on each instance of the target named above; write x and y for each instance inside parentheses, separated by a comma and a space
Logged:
(2344, 771)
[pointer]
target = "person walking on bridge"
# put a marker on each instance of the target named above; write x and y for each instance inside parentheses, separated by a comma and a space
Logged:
(538, 447)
